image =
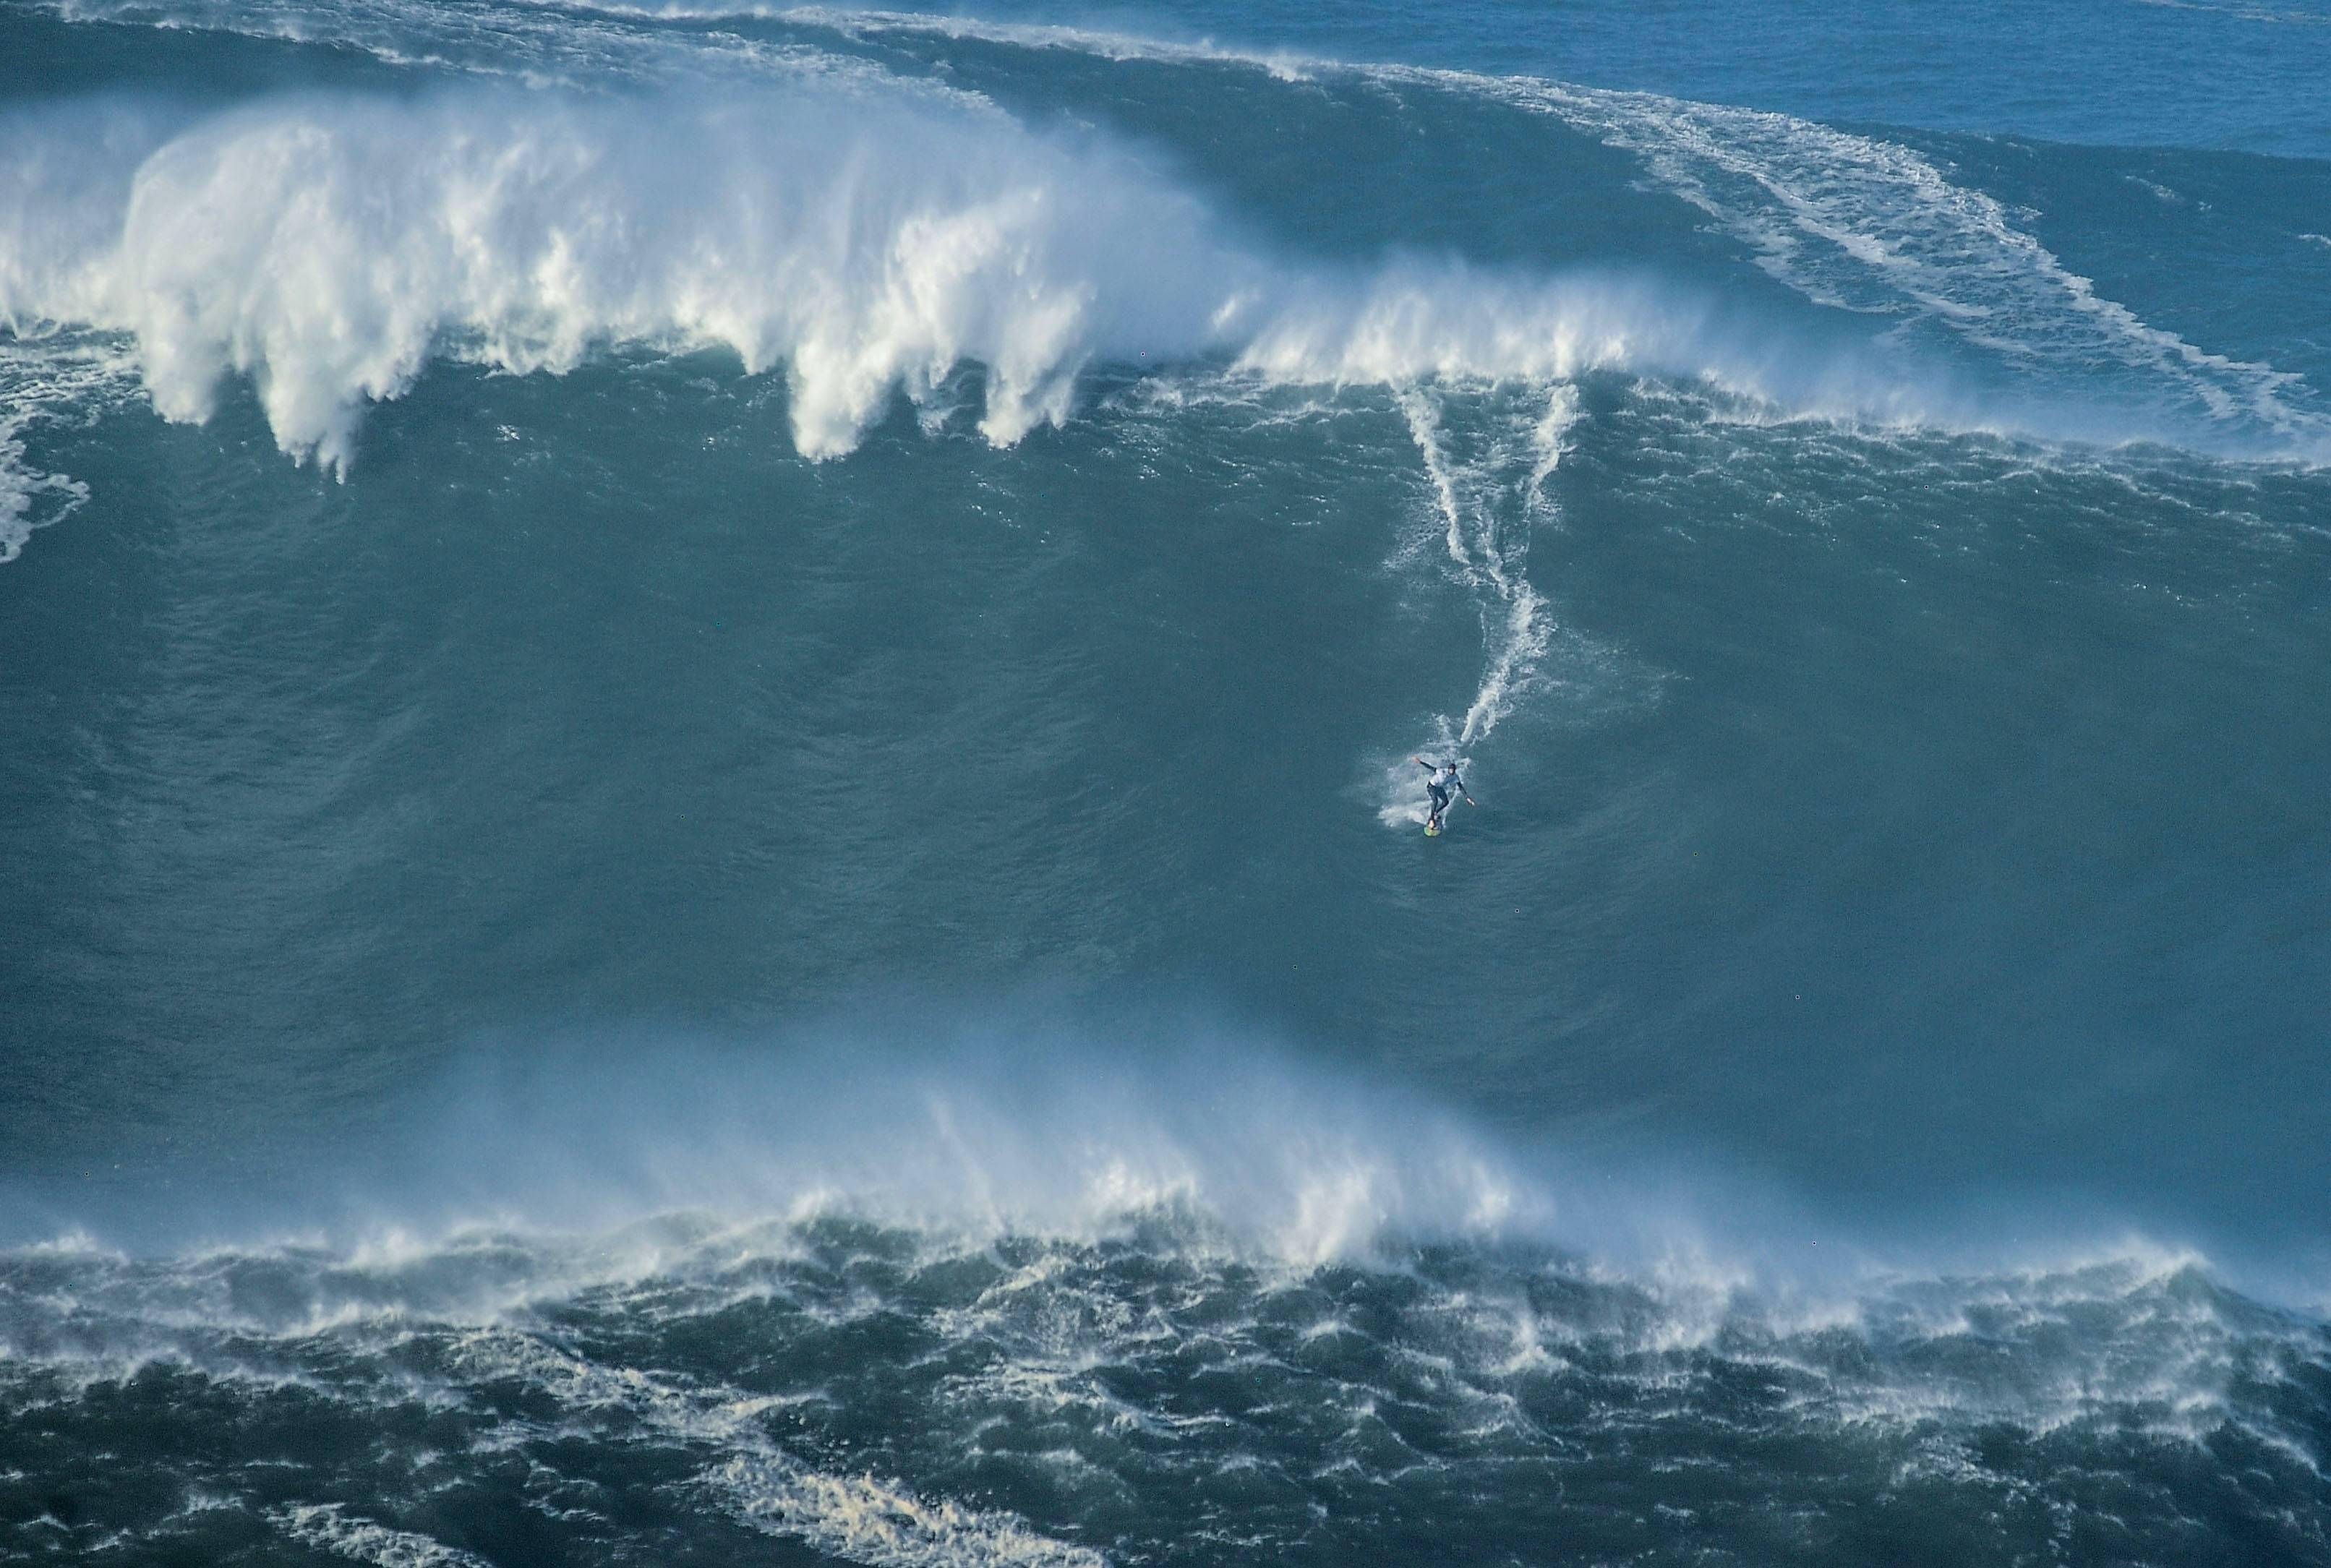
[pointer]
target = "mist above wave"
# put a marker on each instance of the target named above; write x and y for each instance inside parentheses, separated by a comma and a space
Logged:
(1190, 1141)
(327, 247)
(1238, 1257)
(682, 1176)
(1228, 1149)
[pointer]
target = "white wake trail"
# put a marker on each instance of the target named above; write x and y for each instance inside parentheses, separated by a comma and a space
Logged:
(1487, 517)
(1488, 454)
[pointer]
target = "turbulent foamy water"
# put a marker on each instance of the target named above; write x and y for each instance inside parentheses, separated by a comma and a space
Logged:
(712, 852)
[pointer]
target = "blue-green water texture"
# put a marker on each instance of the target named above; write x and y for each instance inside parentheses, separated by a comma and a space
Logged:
(709, 844)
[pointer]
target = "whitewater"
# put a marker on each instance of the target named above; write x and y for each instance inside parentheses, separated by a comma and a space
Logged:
(711, 848)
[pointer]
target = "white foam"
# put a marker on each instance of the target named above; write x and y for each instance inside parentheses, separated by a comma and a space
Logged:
(863, 1520)
(328, 1527)
(553, 46)
(1857, 222)
(866, 237)
(2242, 11)
(47, 384)
(327, 249)
(1286, 65)
(1850, 221)
(867, 245)
(856, 1517)
(2125, 1337)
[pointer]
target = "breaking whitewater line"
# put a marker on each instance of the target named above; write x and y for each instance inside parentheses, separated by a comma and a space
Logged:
(327, 247)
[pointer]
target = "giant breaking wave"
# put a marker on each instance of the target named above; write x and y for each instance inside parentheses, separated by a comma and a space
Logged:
(867, 243)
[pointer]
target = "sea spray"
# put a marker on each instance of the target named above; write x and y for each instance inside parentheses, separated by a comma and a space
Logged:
(865, 244)
(1845, 1099)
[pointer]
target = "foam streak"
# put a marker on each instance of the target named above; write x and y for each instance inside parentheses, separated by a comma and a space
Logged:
(1487, 519)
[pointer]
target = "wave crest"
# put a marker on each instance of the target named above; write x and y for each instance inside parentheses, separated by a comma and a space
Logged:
(327, 247)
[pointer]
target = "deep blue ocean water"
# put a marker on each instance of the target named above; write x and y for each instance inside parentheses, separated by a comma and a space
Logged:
(710, 850)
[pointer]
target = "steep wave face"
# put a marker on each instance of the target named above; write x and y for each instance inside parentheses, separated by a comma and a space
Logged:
(714, 778)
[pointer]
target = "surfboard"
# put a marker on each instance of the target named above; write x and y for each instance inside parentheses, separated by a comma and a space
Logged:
(1432, 831)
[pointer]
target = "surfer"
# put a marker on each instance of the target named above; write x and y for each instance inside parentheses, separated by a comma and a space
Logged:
(1441, 782)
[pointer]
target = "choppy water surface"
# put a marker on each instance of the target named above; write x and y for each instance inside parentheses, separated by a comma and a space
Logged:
(710, 852)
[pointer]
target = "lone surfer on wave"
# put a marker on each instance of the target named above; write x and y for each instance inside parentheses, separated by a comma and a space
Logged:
(1440, 784)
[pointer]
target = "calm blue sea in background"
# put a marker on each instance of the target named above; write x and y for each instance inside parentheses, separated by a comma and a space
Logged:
(709, 848)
